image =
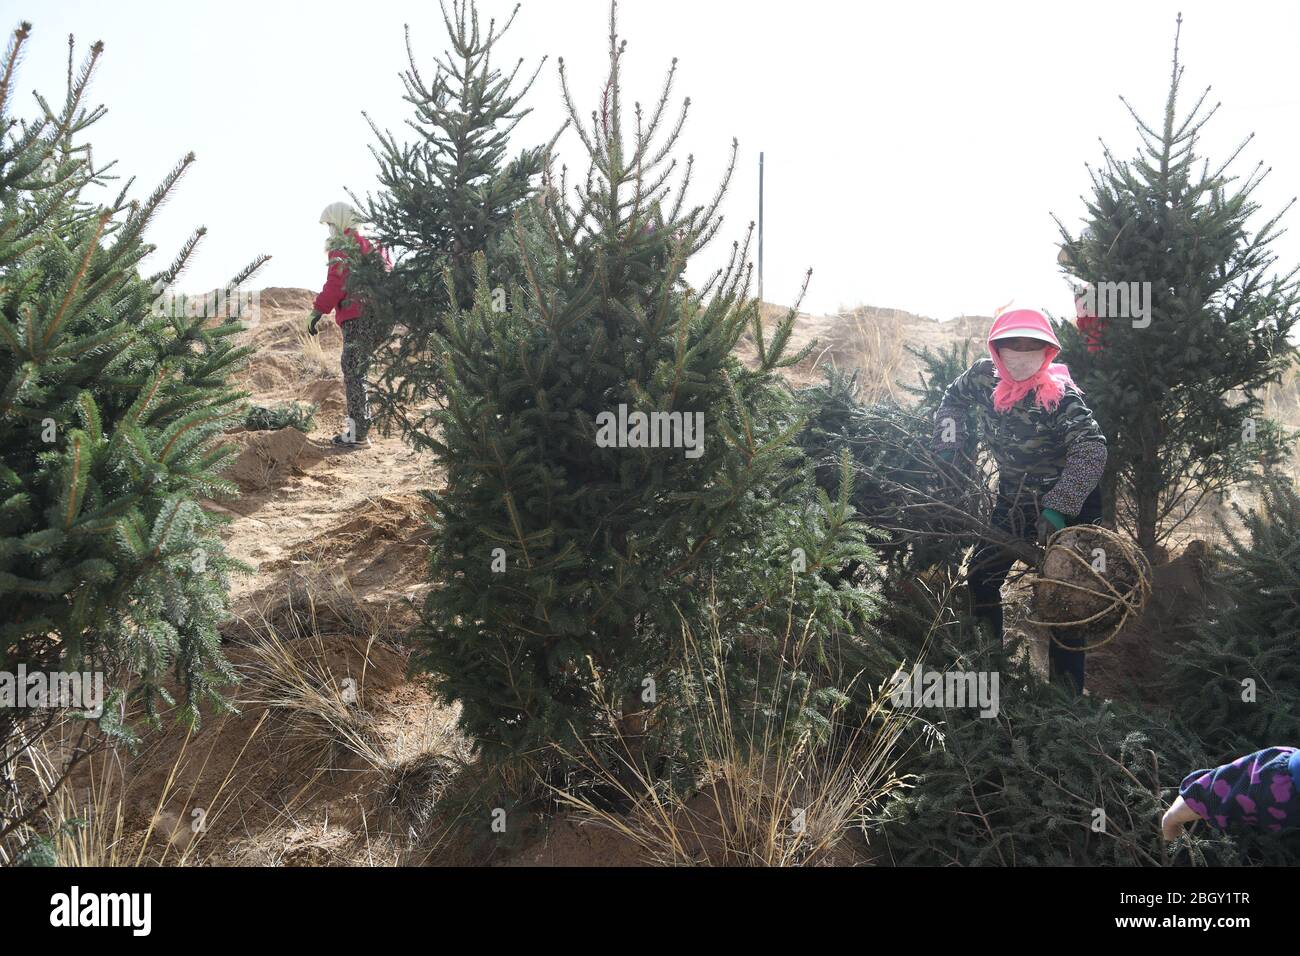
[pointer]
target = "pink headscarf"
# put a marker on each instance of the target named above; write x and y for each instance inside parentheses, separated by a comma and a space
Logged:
(1048, 383)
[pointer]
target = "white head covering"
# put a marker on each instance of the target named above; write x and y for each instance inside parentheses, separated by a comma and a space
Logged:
(339, 216)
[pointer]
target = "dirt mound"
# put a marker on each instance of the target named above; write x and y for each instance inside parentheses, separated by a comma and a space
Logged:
(572, 843)
(363, 572)
(249, 788)
(266, 458)
(299, 300)
(327, 395)
(376, 524)
(870, 338)
(1130, 665)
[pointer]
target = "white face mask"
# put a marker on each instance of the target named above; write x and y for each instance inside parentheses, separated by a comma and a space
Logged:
(1022, 365)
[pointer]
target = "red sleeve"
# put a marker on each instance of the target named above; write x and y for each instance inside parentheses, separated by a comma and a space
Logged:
(336, 283)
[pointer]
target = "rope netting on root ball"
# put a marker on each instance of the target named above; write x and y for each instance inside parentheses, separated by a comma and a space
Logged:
(1091, 581)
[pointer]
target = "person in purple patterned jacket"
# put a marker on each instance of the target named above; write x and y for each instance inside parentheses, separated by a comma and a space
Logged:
(1260, 790)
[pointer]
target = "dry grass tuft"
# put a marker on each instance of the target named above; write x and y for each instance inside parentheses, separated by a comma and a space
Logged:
(312, 355)
(94, 819)
(762, 799)
(317, 600)
(321, 715)
(879, 347)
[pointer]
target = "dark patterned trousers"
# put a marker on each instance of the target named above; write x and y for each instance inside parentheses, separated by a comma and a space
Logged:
(989, 566)
(356, 365)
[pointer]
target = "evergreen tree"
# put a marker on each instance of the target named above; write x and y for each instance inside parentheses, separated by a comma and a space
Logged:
(1237, 682)
(260, 418)
(111, 403)
(571, 553)
(1054, 780)
(444, 198)
(901, 485)
(886, 443)
(1191, 323)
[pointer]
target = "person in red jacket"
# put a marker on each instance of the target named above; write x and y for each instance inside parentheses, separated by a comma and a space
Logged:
(342, 220)
(1088, 324)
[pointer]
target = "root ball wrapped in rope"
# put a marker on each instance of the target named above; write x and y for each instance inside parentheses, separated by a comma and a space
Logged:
(1091, 581)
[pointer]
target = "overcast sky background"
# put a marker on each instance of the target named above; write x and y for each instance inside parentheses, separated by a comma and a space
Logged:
(914, 152)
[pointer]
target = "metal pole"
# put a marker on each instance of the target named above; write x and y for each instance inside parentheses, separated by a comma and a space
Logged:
(760, 228)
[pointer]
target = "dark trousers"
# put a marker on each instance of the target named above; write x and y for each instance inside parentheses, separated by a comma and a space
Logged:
(990, 565)
(356, 364)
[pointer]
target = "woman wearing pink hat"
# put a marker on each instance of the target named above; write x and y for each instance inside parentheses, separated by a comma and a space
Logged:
(1049, 450)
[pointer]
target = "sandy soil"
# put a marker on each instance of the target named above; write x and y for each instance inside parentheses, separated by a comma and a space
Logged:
(336, 541)
(305, 502)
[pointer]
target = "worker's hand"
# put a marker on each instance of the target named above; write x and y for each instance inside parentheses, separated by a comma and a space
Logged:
(1171, 829)
(311, 325)
(1176, 817)
(1050, 521)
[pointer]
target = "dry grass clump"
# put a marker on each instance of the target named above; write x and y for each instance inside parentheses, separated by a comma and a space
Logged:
(881, 347)
(321, 715)
(312, 357)
(310, 770)
(95, 819)
(292, 670)
(762, 799)
(316, 599)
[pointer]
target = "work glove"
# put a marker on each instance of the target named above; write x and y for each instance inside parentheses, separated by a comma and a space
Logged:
(311, 325)
(1050, 521)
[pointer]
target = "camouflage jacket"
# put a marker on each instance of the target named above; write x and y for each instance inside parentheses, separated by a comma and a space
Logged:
(1059, 455)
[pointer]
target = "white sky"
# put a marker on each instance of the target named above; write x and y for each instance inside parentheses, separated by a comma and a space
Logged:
(914, 151)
